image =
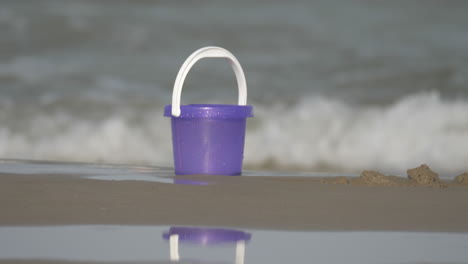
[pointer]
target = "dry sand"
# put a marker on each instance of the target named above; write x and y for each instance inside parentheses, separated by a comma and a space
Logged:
(370, 202)
(462, 179)
(417, 177)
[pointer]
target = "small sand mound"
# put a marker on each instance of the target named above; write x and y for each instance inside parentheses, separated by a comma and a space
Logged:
(420, 176)
(376, 178)
(423, 175)
(462, 179)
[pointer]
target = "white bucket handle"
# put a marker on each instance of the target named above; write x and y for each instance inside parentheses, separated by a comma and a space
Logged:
(208, 52)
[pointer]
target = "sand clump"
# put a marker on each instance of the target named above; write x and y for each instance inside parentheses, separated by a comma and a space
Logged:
(462, 179)
(370, 177)
(419, 176)
(423, 175)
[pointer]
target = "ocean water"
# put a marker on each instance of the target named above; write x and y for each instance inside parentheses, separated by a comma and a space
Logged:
(336, 85)
(202, 245)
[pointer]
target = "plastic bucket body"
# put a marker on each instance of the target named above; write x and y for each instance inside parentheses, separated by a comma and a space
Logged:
(209, 139)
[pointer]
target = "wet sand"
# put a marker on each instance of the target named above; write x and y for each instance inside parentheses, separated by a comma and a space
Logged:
(283, 203)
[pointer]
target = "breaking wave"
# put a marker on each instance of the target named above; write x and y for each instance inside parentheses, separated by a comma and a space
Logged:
(317, 133)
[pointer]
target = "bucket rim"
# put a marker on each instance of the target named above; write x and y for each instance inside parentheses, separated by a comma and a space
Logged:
(221, 111)
(207, 236)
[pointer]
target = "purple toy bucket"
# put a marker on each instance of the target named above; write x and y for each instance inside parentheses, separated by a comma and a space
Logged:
(208, 138)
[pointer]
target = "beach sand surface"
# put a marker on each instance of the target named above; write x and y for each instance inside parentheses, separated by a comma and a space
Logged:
(281, 203)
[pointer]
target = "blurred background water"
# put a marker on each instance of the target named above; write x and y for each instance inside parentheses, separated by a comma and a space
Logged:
(336, 85)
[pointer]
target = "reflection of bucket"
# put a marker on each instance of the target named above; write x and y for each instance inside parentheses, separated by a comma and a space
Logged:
(208, 138)
(206, 237)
